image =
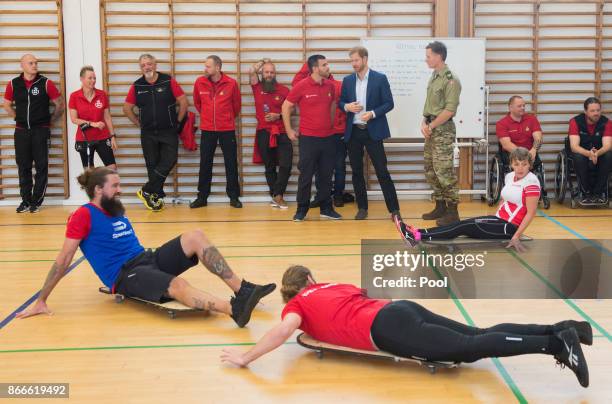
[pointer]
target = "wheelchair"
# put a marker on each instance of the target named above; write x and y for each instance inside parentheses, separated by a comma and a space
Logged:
(499, 167)
(566, 179)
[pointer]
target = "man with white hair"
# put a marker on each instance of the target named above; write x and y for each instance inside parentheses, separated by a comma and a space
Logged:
(156, 95)
(26, 100)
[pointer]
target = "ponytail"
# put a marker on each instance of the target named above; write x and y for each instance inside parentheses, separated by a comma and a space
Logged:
(92, 178)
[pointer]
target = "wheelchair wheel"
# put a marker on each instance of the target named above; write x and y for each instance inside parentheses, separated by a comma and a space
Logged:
(561, 170)
(542, 178)
(495, 181)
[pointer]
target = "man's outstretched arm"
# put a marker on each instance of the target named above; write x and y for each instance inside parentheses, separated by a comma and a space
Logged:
(57, 272)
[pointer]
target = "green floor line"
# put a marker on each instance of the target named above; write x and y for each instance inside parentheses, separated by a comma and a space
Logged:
(260, 256)
(288, 245)
(569, 302)
(289, 255)
(500, 368)
(222, 246)
(119, 347)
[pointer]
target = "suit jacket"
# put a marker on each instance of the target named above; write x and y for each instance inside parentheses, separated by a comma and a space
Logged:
(378, 99)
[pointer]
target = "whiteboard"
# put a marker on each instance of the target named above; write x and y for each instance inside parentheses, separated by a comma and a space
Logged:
(403, 61)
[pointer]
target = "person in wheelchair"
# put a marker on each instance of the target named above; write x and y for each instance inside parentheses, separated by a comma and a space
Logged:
(519, 129)
(590, 139)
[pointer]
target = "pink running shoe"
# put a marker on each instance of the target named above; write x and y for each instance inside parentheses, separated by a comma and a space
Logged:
(409, 234)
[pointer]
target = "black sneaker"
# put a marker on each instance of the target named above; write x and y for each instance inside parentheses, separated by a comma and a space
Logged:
(583, 328)
(159, 204)
(198, 203)
(338, 201)
(571, 355)
(235, 203)
(23, 207)
(330, 214)
(315, 203)
(299, 216)
(362, 214)
(348, 198)
(34, 208)
(150, 201)
(246, 299)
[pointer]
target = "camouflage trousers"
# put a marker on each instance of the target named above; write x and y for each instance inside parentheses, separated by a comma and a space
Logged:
(439, 170)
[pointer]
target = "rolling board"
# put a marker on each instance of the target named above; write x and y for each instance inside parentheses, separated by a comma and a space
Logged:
(171, 307)
(320, 348)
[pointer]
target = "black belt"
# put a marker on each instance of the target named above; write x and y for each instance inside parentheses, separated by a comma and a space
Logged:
(361, 126)
(431, 118)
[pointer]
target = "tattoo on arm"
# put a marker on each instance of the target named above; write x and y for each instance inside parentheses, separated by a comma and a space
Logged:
(537, 143)
(215, 263)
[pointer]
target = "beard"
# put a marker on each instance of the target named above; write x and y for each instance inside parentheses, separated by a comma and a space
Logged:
(112, 206)
(269, 85)
(149, 75)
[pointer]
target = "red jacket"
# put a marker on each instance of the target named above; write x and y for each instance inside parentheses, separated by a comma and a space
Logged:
(340, 118)
(301, 75)
(218, 103)
(187, 134)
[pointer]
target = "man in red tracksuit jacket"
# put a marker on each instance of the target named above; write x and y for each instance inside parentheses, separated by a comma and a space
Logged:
(339, 196)
(216, 97)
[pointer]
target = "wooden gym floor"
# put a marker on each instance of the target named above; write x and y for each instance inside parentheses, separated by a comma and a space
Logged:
(133, 353)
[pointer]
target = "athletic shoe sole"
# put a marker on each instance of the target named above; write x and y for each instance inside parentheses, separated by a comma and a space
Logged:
(278, 205)
(258, 293)
(330, 217)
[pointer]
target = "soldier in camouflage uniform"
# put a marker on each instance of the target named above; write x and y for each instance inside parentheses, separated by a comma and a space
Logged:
(438, 129)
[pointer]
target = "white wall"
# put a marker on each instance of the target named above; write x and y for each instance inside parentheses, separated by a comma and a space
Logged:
(82, 44)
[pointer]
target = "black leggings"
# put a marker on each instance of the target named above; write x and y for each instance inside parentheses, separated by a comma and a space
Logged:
(103, 147)
(482, 227)
(406, 329)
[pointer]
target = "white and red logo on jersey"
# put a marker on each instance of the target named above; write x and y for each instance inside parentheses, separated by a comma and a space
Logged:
(514, 194)
(98, 104)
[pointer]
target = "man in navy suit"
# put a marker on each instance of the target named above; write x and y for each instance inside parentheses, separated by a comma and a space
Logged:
(366, 97)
